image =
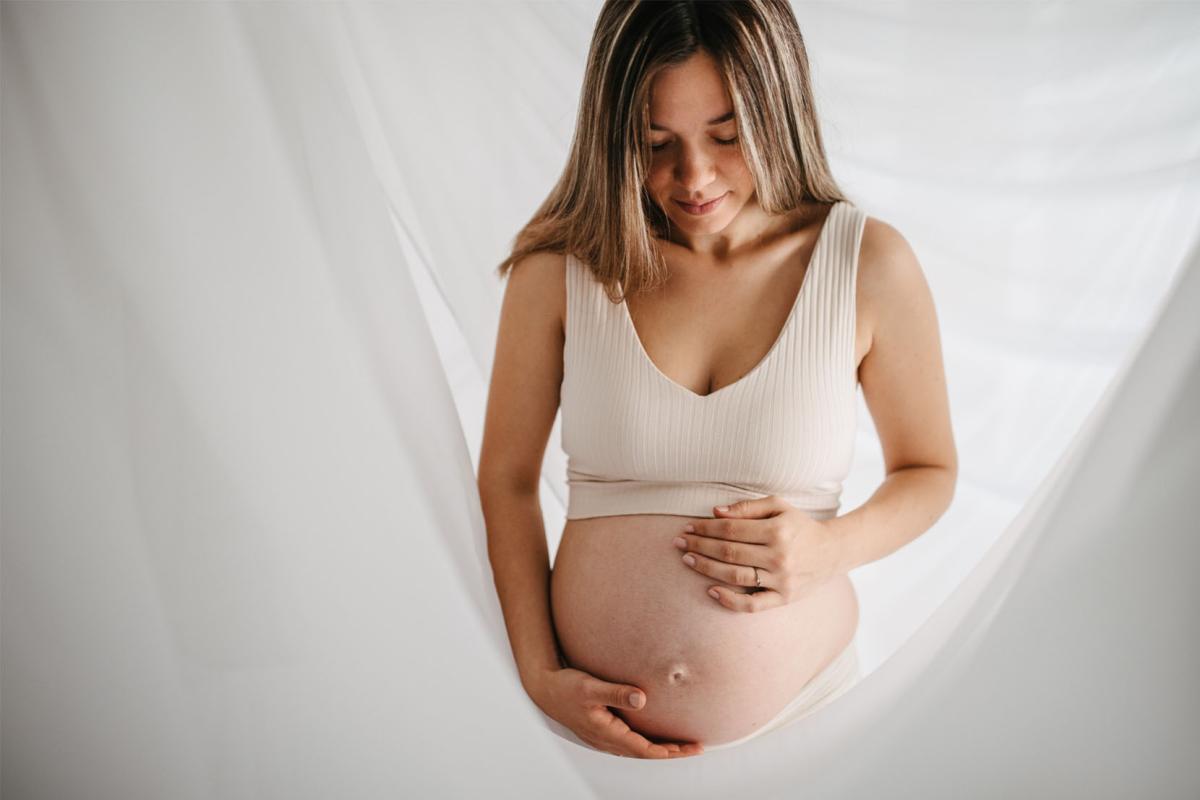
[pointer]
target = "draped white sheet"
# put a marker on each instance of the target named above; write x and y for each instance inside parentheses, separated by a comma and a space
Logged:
(248, 315)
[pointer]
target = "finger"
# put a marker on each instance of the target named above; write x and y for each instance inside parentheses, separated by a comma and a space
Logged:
(756, 531)
(616, 733)
(613, 732)
(686, 750)
(755, 507)
(618, 695)
(606, 747)
(678, 748)
(752, 555)
(645, 748)
(673, 750)
(749, 602)
(733, 574)
(596, 744)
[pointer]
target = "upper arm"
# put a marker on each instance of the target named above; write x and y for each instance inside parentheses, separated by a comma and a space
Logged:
(902, 375)
(523, 395)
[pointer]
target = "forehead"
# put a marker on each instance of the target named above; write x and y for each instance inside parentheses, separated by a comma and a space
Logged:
(689, 94)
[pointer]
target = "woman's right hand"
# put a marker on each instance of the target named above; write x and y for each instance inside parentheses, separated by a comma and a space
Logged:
(580, 701)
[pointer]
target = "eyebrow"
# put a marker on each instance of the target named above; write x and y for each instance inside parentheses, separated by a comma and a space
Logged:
(728, 115)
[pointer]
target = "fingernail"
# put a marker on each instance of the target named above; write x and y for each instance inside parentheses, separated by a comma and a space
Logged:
(722, 509)
(690, 560)
(680, 542)
(716, 595)
(636, 700)
(690, 528)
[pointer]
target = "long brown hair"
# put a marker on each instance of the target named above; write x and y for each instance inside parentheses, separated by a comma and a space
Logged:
(599, 210)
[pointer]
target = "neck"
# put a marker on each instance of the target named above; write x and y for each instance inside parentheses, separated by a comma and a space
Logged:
(751, 226)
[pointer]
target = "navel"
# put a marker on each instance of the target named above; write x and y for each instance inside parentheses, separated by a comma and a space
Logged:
(677, 674)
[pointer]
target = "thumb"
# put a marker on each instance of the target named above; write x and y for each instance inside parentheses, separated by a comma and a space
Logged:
(628, 697)
(757, 507)
(614, 694)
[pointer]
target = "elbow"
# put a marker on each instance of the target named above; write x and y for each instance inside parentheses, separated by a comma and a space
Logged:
(949, 472)
(947, 466)
(507, 484)
(500, 489)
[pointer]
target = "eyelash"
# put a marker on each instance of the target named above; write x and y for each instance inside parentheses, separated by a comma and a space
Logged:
(724, 142)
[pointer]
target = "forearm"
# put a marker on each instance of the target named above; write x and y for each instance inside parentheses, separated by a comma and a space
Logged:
(904, 506)
(521, 567)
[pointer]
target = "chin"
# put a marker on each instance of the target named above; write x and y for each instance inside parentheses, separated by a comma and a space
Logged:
(712, 223)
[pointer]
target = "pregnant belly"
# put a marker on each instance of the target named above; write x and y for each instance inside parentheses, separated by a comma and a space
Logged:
(627, 609)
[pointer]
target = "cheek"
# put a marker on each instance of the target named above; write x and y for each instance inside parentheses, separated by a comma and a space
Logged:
(658, 182)
(659, 174)
(735, 169)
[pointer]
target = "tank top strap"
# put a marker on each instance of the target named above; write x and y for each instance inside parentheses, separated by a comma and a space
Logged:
(832, 316)
(578, 306)
(588, 325)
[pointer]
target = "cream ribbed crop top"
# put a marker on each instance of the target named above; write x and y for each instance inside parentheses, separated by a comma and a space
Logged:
(637, 442)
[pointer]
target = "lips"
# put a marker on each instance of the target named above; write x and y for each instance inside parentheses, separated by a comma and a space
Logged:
(699, 208)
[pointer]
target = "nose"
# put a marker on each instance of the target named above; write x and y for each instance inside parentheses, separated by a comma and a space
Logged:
(694, 170)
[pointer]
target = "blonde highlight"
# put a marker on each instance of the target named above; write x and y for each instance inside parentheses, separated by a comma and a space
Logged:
(599, 210)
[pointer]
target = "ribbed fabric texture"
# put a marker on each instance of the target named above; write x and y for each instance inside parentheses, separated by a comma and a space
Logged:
(637, 442)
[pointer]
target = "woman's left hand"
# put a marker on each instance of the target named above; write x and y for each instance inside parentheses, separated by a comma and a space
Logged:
(792, 551)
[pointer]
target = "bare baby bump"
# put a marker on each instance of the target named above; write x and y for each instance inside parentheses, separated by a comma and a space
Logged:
(627, 609)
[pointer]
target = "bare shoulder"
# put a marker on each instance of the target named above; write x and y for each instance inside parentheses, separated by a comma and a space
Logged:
(891, 282)
(537, 287)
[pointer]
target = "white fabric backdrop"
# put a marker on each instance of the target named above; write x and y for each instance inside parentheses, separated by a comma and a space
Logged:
(248, 314)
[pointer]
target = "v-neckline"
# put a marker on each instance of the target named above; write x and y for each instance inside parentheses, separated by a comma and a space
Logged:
(788, 322)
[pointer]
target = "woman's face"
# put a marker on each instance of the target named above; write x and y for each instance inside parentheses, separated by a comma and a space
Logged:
(696, 156)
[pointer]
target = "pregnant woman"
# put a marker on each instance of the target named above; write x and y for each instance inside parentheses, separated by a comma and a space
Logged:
(702, 302)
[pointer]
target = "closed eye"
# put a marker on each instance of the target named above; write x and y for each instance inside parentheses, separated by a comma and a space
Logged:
(722, 142)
